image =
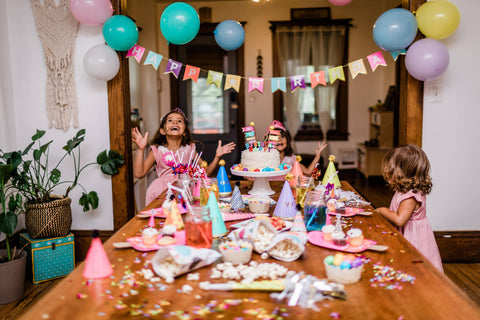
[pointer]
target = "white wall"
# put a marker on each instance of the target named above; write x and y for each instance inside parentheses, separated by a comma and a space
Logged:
(451, 129)
(23, 95)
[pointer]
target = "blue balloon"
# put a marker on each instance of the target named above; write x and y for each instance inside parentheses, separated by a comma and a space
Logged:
(229, 35)
(395, 29)
(120, 32)
(179, 23)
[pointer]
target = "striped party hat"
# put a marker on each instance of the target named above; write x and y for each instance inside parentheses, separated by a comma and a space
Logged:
(237, 201)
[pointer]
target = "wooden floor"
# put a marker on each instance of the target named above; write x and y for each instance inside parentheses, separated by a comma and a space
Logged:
(465, 275)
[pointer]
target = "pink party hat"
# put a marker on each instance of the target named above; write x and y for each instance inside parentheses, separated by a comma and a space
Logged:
(237, 201)
(224, 187)
(298, 223)
(97, 265)
(173, 215)
(285, 208)
(151, 221)
(296, 172)
(218, 225)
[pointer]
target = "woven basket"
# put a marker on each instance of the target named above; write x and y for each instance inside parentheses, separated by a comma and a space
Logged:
(49, 219)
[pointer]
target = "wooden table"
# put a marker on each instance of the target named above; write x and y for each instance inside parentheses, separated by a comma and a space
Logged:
(126, 293)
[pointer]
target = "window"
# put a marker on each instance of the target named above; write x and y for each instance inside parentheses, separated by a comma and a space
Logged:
(302, 48)
(207, 108)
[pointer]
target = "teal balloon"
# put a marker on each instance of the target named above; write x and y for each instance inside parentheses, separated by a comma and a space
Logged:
(179, 23)
(229, 35)
(120, 32)
(395, 29)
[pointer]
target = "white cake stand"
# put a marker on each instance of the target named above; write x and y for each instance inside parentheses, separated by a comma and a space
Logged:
(261, 184)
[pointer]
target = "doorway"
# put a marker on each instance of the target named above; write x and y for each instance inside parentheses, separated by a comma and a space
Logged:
(214, 113)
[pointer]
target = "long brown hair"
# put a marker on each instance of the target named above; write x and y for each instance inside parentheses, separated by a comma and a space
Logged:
(161, 139)
(288, 149)
(407, 168)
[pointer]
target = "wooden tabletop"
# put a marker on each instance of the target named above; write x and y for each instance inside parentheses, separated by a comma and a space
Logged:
(128, 295)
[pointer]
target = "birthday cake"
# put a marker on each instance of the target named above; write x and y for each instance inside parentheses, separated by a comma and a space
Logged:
(260, 159)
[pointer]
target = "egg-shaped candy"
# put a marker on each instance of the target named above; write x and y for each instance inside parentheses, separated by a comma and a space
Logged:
(357, 262)
(328, 260)
(337, 259)
(345, 265)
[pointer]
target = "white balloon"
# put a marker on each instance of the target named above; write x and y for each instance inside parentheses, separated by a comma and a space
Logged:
(101, 62)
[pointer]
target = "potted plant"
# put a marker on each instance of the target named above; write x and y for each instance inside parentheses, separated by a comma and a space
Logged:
(12, 261)
(48, 215)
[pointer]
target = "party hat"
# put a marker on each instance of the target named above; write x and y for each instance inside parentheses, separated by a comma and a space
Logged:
(97, 265)
(173, 215)
(285, 208)
(298, 225)
(218, 225)
(237, 201)
(296, 172)
(151, 221)
(331, 172)
(224, 187)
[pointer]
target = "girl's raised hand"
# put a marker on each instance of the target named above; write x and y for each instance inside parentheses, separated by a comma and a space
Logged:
(221, 150)
(321, 146)
(138, 139)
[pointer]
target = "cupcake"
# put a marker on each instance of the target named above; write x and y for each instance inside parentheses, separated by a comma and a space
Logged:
(355, 236)
(169, 230)
(236, 252)
(341, 269)
(149, 236)
(339, 238)
(327, 231)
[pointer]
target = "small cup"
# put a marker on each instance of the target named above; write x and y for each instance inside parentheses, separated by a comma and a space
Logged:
(355, 236)
(259, 205)
(339, 238)
(149, 236)
(236, 252)
(327, 231)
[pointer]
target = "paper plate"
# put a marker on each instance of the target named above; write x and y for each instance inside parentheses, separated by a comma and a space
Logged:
(137, 244)
(349, 212)
(288, 225)
(159, 212)
(316, 238)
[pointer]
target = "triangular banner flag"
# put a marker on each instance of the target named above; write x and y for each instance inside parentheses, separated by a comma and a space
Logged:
(395, 54)
(297, 82)
(153, 59)
(232, 81)
(336, 73)
(376, 59)
(191, 72)
(255, 84)
(317, 78)
(356, 67)
(173, 67)
(279, 84)
(215, 78)
(137, 52)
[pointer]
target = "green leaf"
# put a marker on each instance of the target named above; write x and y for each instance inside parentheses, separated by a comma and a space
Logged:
(8, 223)
(14, 203)
(55, 175)
(27, 149)
(89, 199)
(75, 141)
(6, 171)
(15, 158)
(110, 161)
(39, 134)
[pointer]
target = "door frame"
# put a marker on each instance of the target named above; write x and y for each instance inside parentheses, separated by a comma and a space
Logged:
(410, 122)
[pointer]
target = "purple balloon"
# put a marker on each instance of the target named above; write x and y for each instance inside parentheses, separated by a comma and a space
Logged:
(427, 59)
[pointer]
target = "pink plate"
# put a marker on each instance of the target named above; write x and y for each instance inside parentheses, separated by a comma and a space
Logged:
(237, 216)
(348, 212)
(159, 211)
(316, 238)
(137, 244)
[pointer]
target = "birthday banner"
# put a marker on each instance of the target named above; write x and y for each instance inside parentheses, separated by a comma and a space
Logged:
(356, 68)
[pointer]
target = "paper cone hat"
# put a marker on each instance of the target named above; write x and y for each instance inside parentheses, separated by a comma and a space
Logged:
(224, 188)
(237, 201)
(97, 265)
(285, 208)
(298, 224)
(330, 172)
(151, 221)
(218, 225)
(173, 215)
(296, 172)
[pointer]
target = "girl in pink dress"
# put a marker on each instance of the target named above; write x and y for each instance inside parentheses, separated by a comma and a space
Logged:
(284, 147)
(406, 169)
(171, 144)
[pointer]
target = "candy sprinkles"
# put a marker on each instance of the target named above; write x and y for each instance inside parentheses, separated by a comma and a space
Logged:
(389, 278)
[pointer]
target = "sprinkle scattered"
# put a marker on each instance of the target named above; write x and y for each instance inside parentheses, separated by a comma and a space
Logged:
(389, 278)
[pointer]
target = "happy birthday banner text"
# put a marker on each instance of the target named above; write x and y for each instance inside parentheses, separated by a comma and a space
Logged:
(254, 83)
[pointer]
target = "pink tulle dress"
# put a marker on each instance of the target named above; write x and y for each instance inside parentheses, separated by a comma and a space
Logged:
(164, 161)
(418, 230)
(290, 160)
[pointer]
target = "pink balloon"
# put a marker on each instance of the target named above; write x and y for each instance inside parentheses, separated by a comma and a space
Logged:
(427, 59)
(91, 12)
(339, 2)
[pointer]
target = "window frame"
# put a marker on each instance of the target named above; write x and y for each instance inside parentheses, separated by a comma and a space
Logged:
(341, 122)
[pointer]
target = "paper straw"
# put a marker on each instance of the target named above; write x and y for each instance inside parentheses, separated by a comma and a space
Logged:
(191, 155)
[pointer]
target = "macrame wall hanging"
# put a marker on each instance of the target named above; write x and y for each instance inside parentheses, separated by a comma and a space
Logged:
(57, 29)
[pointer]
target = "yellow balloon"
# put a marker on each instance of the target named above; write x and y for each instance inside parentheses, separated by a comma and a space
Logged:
(438, 19)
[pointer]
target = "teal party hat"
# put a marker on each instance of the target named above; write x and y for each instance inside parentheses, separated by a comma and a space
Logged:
(224, 188)
(218, 225)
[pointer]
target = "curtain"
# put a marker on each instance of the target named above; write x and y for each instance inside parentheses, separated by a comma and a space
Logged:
(318, 46)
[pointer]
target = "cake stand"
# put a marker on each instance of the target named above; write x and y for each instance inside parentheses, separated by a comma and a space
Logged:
(261, 184)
